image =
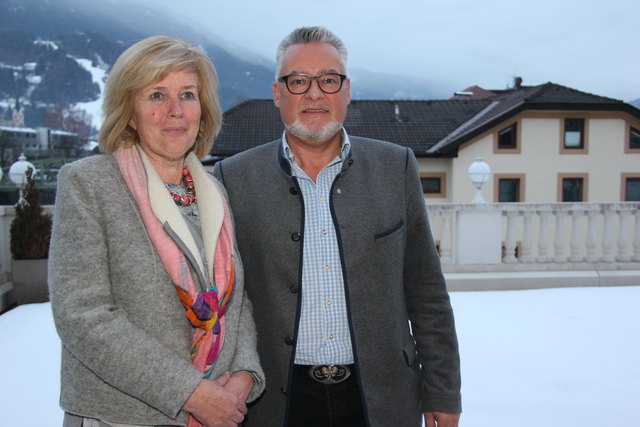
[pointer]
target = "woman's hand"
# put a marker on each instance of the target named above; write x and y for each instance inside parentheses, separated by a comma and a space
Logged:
(240, 384)
(214, 405)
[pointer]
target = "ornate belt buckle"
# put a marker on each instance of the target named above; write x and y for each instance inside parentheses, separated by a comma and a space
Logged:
(329, 374)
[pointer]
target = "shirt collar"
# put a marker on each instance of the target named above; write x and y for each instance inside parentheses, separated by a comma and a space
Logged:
(344, 150)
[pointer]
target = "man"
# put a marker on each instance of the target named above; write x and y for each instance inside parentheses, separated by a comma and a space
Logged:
(339, 259)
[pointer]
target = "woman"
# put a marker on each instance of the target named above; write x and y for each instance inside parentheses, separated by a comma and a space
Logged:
(146, 284)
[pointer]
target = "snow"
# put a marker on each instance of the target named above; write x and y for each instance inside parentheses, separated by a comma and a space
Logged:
(98, 76)
(49, 43)
(556, 357)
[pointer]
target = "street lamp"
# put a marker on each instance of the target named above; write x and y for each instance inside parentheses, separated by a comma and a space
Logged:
(479, 173)
(18, 173)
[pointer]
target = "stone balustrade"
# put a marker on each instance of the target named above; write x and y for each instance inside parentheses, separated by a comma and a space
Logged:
(489, 246)
(544, 236)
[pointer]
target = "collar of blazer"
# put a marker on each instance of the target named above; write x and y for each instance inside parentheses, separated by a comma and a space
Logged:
(210, 209)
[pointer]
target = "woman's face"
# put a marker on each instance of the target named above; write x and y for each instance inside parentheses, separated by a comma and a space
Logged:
(166, 115)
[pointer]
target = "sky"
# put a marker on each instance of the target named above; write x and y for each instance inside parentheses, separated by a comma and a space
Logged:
(554, 357)
(589, 45)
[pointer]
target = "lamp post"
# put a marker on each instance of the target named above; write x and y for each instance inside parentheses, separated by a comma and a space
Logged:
(479, 173)
(18, 173)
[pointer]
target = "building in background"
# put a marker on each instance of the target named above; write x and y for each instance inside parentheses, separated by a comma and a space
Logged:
(544, 143)
(37, 143)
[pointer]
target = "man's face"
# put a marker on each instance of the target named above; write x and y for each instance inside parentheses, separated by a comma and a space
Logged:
(314, 115)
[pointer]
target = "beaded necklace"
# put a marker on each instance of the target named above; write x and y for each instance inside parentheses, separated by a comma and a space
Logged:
(190, 197)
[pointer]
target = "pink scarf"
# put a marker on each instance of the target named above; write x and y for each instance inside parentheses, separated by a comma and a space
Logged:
(204, 310)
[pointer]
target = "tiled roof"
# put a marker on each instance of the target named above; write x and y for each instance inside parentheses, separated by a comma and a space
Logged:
(429, 128)
(247, 125)
(557, 94)
(414, 124)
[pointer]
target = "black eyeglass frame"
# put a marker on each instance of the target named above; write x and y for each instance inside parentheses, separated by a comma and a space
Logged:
(285, 79)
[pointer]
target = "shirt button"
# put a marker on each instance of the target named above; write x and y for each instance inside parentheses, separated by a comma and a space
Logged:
(325, 232)
(321, 198)
(330, 336)
(327, 267)
(329, 302)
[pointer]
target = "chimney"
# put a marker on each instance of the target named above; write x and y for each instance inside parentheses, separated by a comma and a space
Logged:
(517, 82)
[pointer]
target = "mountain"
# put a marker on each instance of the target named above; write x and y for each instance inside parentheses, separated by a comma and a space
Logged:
(54, 56)
(635, 103)
(43, 43)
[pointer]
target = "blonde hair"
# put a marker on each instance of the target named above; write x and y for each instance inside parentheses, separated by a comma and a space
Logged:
(144, 63)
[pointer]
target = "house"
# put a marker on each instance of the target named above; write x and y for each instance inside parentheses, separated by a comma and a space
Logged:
(543, 143)
(35, 143)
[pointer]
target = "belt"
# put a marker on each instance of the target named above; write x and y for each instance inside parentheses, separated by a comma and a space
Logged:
(327, 374)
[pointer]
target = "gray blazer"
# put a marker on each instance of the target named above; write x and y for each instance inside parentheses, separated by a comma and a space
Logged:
(391, 273)
(125, 338)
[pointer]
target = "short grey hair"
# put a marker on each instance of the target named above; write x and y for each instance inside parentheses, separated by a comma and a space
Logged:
(305, 35)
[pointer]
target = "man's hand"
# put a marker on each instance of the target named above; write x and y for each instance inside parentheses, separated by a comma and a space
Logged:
(441, 419)
(215, 406)
(240, 384)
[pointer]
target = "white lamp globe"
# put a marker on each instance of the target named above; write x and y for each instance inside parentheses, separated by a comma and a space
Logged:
(18, 171)
(479, 173)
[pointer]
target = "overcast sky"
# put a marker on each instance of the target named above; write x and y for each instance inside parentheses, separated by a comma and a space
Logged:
(589, 45)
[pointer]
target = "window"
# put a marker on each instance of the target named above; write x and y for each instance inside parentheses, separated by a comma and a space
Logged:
(574, 133)
(508, 188)
(634, 139)
(507, 137)
(630, 187)
(433, 184)
(506, 140)
(572, 187)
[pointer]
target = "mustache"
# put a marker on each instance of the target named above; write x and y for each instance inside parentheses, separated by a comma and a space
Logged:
(314, 106)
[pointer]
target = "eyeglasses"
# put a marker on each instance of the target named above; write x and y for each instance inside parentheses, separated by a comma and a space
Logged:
(298, 84)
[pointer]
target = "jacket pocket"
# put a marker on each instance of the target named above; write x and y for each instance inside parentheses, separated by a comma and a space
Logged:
(409, 352)
(381, 237)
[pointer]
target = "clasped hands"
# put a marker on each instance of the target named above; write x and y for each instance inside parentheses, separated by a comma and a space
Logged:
(221, 402)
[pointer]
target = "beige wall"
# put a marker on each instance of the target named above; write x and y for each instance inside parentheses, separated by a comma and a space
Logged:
(430, 165)
(540, 161)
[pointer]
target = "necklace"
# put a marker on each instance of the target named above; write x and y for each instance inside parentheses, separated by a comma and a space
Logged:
(190, 197)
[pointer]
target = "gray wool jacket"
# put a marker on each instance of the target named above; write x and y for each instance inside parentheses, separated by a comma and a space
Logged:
(126, 341)
(392, 279)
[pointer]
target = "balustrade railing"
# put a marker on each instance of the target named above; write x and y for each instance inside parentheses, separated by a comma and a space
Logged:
(544, 235)
(535, 236)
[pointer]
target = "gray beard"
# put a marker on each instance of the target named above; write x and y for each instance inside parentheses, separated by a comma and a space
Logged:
(303, 132)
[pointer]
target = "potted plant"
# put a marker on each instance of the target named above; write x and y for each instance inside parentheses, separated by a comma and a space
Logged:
(30, 234)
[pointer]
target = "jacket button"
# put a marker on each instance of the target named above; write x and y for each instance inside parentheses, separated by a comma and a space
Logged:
(288, 340)
(293, 190)
(293, 289)
(295, 236)
(283, 390)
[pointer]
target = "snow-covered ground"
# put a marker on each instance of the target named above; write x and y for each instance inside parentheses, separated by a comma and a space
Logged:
(555, 357)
